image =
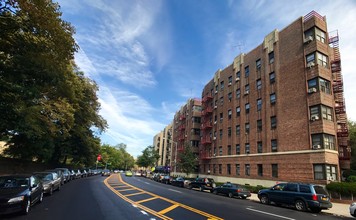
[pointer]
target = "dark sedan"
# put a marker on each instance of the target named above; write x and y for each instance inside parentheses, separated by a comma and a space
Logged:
(232, 190)
(19, 192)
(179, 181)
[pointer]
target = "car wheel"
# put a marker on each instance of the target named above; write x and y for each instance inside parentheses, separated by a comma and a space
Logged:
(201, 189)
(27, 206)
(215, 192)
(41, 197)
(51, 191)
(190, 187)
(299, 205)
(59, 187)
(230, 195)
(264, 199)
(315, 210)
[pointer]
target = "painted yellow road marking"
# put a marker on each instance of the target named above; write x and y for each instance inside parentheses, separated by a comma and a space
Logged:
(123, 190)
(146, 200)
(164, 211)
(154, 196)
(134, 194)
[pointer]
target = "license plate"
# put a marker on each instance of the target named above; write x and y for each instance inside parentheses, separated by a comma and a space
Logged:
(208, 184)
(324, 198)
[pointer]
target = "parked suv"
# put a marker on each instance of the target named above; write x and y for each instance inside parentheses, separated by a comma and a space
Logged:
(302, 196)
(203, 184)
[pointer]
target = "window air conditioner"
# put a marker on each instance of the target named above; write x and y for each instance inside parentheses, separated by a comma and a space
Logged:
(215, 106)
(311, 90)
(214, 122)
(330, 178)
(308, 39)
(315, 117)
(237, 79)
(246, 92)
(229, 83)
(216, 92)
(214, 155)
(311, 64)
(316, 147)
(214, 138)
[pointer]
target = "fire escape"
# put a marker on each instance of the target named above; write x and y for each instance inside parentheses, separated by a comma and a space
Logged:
(340, 109)
(181, 131)
(206, 127)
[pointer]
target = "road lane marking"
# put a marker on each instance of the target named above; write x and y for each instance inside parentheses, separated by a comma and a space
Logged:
(175, 190)
(146, 200)
(123, 190)
(134, 194)
(170, 208)
(155, 213)
(267, 213)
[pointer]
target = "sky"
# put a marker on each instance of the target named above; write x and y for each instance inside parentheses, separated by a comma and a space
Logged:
(150, 56)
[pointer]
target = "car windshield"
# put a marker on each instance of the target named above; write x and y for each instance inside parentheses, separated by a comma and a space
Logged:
(13, 182)
(320, 190)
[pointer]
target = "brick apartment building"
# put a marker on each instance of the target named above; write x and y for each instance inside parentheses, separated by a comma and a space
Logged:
(186, 130)
(276, 113)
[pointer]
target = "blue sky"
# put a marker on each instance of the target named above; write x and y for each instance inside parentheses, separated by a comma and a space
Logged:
(148, 57)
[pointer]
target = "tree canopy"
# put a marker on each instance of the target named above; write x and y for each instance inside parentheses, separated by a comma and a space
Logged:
(148, 158)
(49, 108)
(188, 160)
(116, 156)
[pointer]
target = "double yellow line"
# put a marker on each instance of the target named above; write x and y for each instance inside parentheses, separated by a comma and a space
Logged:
(159, 214)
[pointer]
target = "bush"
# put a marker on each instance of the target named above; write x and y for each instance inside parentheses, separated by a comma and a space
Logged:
(351, 179)
(342, 187)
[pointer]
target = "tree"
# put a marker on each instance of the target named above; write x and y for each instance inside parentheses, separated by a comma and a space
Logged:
(188, 160)
(116, 156)
(48, 107)
(352, 133)
(148, 158)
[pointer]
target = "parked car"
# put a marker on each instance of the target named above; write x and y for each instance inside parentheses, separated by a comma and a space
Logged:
(59, 173)
(232, 190)
(72, 175)
(302, 196)
(106, 172)
(128, 173)
(353, 209)
(50, 181)
(66, 174)
(203, 184)
(84, 173)
(19, 192)
(166, 179)
(179, 181)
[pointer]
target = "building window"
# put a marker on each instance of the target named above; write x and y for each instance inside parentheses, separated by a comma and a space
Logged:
(323, 141)
(274, 147)
(258, 64)
(229, 150)
(259, 147)
(221, 85)
(314, 113)
(247, 148)
(259, 104)
(237, 169)
(273, 122)
(272, 77)
(216, 88)
(247, 169)
(220, 151)
(247, 108)
(247, 71)
(214, 168)
(229, 131)
(259, 84)
(310, 60)
(228, 169)
(229, 114)
(247, 89)
(312, 84)
(230, 80)
(272, 98)
(275, 170)
(325, 172)
(320, 35)
(220, 168)
(271, 57)
(221, 116)
(238, 150)
(259, 170)
(247, 128)
(214, 151)
(229, 96)
(238, 75)
(238, 93)
(221, 100)
(238, 110)
(327, 113)
(221, 133)
(237, 129)
(322, 59)
(259, 125)
(325, 85)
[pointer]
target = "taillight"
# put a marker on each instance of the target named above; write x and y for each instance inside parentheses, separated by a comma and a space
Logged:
(239, 190)
(315, 197)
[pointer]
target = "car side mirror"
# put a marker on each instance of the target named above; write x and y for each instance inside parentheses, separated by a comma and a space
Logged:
(34, 185)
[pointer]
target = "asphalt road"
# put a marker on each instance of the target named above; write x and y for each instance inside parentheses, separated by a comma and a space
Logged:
(127, 198)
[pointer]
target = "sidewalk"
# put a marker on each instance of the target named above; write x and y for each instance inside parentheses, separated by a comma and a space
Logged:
(338, 209)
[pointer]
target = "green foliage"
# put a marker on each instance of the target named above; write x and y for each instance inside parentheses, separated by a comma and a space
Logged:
(148, 158)
(351, 179)
(352, 135)
(117, 157)
(48, 106)
(188, 160)
(342, 187)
